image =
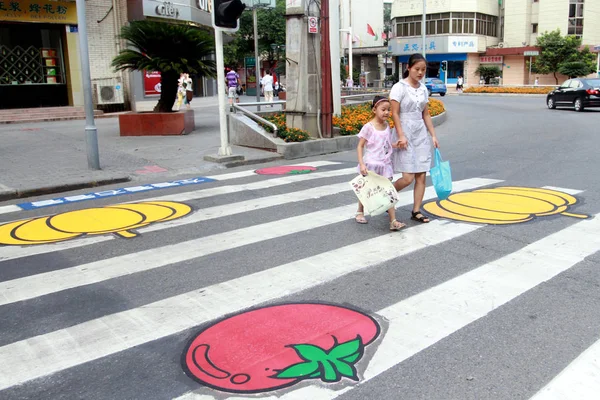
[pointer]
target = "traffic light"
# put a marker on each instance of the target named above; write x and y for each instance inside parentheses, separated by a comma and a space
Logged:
(444, 65)
(226, 13)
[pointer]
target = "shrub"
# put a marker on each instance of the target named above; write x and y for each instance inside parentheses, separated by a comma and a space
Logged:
(285, 133)
(516, 90)
(354, 117)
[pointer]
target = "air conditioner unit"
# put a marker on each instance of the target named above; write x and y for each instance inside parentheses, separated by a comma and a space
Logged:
(501, 44)
(108, 94)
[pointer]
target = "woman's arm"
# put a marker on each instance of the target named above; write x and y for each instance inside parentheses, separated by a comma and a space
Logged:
(402, 143)
(429, 125)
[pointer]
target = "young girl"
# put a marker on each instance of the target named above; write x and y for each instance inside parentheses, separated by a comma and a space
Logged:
(376, 138)
(412, 122)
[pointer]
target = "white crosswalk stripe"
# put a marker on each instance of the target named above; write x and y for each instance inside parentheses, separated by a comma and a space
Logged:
(414, 323)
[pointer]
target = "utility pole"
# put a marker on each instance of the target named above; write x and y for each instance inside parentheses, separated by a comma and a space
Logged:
(91, 133)
(349, 30)
(326, 92)
(424, 28)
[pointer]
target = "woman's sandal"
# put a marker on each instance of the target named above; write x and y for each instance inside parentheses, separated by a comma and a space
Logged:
(396, 226)
(419, 217)
(360, 218)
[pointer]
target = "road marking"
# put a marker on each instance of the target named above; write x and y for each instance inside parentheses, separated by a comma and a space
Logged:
(579, 381)
(243, 174)
(430, 316)
(65, 348)
(9, 209)
(11, 252)
(141, 188)
(50, 282)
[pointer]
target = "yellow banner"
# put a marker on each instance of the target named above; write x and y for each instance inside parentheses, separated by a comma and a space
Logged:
(56, 12)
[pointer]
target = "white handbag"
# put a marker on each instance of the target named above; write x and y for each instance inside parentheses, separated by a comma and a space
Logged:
(376, 193)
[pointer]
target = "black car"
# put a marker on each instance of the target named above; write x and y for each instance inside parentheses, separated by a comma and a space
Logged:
(578, 93)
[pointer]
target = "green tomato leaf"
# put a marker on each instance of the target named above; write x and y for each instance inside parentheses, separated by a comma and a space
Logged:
(352, 358)
(346, 349)
(310, 352)
(301, 370)
(330, 372)
(346, 370)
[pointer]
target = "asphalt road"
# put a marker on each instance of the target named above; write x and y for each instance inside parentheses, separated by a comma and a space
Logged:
(449, 310)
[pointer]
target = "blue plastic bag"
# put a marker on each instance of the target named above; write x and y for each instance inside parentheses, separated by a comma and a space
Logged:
(441, 176)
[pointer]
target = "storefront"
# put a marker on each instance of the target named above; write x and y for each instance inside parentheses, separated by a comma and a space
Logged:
(146, 85)
(451, 52)
(36, 51)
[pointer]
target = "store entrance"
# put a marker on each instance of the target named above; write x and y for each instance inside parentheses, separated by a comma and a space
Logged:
(32, 67)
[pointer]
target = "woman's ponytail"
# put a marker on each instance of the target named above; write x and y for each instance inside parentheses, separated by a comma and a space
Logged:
(405, 74)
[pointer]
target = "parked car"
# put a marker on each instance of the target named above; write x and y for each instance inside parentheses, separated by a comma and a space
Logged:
(435, 85)
(578, 93)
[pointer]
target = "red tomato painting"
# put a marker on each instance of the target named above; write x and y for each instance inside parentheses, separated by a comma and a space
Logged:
(286, 170)
(278, 346)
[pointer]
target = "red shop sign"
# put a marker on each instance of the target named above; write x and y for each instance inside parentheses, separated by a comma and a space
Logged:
(151, 83)
(490, 60)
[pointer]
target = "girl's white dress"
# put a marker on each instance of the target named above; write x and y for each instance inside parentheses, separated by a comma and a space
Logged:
(417, 156)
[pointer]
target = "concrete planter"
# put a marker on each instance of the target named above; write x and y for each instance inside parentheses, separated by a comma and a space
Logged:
(157, 124)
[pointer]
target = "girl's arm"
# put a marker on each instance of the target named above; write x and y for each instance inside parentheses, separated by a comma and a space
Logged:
(402, 142)
(429, 125)
(359, 150)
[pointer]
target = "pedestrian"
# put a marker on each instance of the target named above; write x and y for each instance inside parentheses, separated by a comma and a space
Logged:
(349, 82)
(537, 81)
(267, 83)
(180, 92)
(189, 90)
(412, 122)
(375, 153)
(459, 84)
(233, 81)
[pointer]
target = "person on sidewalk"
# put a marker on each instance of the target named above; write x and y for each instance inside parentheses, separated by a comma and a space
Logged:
(189, 90)
(180, 92)
(459, 84)
(267, 83)
(412, 121)
(233, 81)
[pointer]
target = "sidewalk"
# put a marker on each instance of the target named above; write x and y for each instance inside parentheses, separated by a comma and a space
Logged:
(49, 157)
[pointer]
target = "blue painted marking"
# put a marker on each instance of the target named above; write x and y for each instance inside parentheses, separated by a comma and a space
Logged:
(112, 193)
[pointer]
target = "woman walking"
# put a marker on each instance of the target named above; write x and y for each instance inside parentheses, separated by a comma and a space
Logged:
(415, 131)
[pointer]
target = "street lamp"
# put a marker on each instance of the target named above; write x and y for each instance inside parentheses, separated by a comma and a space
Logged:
(350, 38)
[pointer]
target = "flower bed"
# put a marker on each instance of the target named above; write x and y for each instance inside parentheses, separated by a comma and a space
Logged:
(354, 117)
(503, 89)
(287, 134)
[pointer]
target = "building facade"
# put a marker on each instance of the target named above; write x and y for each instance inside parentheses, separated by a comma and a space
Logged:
(40, 64)
(463, 34)
(39, 54)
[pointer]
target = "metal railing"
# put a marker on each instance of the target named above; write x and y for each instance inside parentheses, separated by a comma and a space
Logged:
(257, 118)
(364, 97)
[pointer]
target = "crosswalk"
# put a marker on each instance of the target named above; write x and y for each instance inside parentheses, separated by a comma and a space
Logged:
(110, 318)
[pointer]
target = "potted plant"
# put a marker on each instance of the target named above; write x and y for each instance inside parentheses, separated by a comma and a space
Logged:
(170, 49)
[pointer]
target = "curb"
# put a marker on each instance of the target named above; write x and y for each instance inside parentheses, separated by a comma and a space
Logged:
(18, 194)
(240, 163)
(440, 119)
(504, 94)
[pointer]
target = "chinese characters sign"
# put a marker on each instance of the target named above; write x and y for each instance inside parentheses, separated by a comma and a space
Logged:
(462, 44)
(152, 84)
(434, 45)
(490, 60)
(58, 12)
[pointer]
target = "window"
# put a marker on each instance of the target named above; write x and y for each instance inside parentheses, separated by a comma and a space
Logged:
(534, 28)
(566, 84)
(575, 26)
(445, 23)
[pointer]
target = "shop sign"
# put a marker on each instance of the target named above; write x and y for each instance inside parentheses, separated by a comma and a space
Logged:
(491, 60)
(531, 53)
(462, 44)
(56, 12)
(406, 46)
(204, 5)
(151, 83)
(167, 9)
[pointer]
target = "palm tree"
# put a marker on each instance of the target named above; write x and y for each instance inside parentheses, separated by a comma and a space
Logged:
(170, 49)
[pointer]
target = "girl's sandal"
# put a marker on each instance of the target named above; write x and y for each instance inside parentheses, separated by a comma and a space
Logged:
(396, 226)
(360, 218)
(419, 217)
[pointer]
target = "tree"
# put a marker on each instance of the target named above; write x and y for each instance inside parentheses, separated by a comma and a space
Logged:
(271, 30)
(574, 69)
(558, 50)
(170, 49)
(488, 72)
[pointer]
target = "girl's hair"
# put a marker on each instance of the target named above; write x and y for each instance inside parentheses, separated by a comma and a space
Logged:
(379, 99)
(415, 58)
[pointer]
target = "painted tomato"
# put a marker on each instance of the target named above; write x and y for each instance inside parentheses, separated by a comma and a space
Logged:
(278, 346)
(286, 170)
